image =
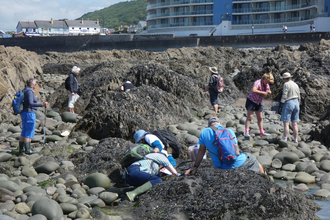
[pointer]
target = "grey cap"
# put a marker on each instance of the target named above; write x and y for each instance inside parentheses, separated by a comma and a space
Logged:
(213, 120)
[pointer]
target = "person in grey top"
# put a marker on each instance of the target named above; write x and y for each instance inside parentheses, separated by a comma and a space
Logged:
(290, 111)
(73, 96)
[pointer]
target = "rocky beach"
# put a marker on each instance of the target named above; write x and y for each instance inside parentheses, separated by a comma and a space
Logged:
(76, 173)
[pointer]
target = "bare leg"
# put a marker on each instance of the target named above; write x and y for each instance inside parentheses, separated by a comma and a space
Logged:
(215, 107)
(72, 110)
(259, 118)
(295, 130)
(21, 139)
(286, 129)
(261, 169)
(248, 120)
(27, 140)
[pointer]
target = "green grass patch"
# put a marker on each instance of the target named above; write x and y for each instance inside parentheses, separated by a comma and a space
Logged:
(70, 149)
(47, 183)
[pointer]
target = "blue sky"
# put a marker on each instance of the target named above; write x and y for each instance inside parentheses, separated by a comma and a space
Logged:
(12, 11)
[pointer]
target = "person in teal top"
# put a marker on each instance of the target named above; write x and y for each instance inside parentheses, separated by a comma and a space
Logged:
(206, 140)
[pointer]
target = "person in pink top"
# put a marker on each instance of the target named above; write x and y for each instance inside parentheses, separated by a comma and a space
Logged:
(254, 102)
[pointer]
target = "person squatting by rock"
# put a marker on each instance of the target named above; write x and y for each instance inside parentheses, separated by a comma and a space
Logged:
(207, 140)
(73, 87)
(254, 102)
(126, 87)
(290, 110)
(212, 83)
(28, 116)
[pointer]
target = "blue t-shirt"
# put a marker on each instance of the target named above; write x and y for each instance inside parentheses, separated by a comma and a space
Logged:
(207, 138)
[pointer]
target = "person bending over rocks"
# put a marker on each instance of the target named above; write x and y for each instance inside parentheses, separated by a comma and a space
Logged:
(290, 111)
(141, 136)
(28, 116)
(207, 140)
(73, 82)
(212, 83)
(254, 102)
(145, 173)
(126, 87)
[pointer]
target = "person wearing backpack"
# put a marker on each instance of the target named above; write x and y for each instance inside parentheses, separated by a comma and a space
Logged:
(71, 84)
(253, 103)
(209, 141)
(211, 88)
(141, 136)
(145, 173)
(28, 116)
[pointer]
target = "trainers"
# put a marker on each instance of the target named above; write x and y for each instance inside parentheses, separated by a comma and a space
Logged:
(247, 136)
(295, 142)
(265, 134)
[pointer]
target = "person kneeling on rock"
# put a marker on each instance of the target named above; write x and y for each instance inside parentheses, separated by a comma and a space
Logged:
(207, 140)
(145, 173)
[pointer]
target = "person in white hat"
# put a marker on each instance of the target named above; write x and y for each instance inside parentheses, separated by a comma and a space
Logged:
(126, 87)
(212, 83)
(290, 111)
(73, 87)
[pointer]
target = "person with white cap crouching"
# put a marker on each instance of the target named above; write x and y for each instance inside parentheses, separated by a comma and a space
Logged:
(290, 111)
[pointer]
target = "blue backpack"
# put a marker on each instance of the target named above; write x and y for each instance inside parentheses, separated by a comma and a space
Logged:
(227, 149)
(18, 102)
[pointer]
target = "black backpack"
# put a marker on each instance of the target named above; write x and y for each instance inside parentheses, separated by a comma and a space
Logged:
(169, 140)
(67, 83)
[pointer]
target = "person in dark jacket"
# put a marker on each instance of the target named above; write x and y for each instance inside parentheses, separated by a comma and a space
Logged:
(126, 86)
(213, 93)
(73, 96)
(28, 116)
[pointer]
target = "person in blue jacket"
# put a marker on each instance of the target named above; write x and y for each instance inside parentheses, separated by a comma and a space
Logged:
(28, 116)
(73, 82)
(206, 140)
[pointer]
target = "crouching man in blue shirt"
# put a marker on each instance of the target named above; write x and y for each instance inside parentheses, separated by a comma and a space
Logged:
(206, 140)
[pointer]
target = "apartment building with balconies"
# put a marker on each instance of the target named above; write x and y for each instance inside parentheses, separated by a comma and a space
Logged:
(235, 17)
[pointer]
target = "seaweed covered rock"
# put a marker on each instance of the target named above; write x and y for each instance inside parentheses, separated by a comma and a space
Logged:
(211, 193)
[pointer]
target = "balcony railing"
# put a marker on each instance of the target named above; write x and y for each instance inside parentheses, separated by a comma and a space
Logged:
(276, 20)
(181, 2)
(185, 24)
(181, 13)
(278, 8)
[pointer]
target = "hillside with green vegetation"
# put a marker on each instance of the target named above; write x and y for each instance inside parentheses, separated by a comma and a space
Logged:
(122, 13)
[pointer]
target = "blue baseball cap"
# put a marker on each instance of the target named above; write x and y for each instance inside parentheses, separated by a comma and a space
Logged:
(139, 135)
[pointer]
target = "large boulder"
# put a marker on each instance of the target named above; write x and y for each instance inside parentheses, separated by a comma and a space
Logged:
(98, 180)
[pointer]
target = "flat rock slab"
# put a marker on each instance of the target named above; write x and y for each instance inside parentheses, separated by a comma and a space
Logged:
(303, 177)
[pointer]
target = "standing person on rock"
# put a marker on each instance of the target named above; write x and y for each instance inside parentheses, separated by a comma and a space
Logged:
(212, 83)
(254, 102)
(73, 87)
(28, 116)
(145, 173)
(290, 110)
(207, 140)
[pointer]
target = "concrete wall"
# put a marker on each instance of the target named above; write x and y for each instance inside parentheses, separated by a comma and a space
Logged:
(156, 42)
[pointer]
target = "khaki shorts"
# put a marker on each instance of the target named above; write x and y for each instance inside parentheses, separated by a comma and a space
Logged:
(72, 99)
(251, 163)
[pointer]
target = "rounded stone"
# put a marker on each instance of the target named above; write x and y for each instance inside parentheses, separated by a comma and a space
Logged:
(38, 217)
(301, 187)
(306, 151)
(68, 208)
(82, 139)
(42, 177)
(37, 138)
(325, 165)
(15, 129)
(69, 117)
(5, 157)
(317, 157)
(287, 157)
(35, 189)
(29, 172)
(52, 114)
(261, 142)
(191, 139)
(283, 144)
(280, 174)
(49, 208)
(108, 197)
(276, 163)
(53, 138)
(311, 168)
(322, 193)
(83, 213)
(47, 167)
(10, 185)
(301, 166)
(22, 208)
(98, 180)
(93, 142)
(303, 177)
(289, 167)
(6, 217)
(194, 132)
(265, 160)
(230, 124)
(97, 202)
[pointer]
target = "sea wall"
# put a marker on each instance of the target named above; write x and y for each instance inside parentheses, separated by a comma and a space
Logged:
(156, 42)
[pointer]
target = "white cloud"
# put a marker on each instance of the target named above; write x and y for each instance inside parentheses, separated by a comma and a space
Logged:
(12, 11)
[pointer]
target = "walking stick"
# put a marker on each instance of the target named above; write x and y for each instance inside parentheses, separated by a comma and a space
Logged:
(45, 126)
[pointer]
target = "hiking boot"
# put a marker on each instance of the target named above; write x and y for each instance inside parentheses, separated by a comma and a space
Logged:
(21, 148)
(28, 148)
(138, 191)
